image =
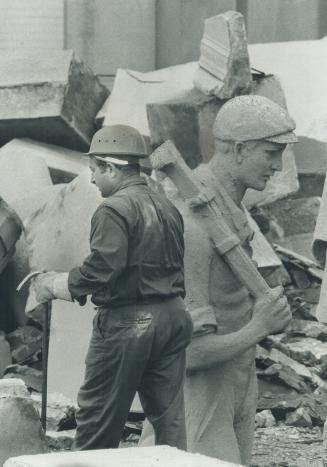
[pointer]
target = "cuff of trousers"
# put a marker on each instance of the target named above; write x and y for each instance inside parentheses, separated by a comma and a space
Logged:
(60, 287)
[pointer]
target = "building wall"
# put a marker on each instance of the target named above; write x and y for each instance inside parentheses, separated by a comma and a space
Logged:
(147, 34)
(32, 24)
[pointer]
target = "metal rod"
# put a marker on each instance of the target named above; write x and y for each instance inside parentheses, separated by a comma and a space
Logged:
(45, 348)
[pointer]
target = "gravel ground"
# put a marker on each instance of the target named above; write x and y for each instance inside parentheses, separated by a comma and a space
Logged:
(289, 447)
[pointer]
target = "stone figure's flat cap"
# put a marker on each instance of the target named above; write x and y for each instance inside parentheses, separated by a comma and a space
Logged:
(246, 118)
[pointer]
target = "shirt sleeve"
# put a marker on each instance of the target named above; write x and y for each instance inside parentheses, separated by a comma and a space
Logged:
(108, 257)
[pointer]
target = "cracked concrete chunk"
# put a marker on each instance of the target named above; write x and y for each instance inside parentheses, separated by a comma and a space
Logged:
(160, 456)
(5, 355)
(21, 431)
(24, 342)
(300, 417)
(224, 68)
(63, 164)
(52, 98)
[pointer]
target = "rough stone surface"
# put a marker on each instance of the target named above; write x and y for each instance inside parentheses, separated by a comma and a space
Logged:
(63, 164)
(301, 67)
(264, 419)
(305, 350)
(133, 90)
(187, 120)
(224, 67)
(52, 98)
(60, 410)
(57, 240)
(5, 355)
(306, 328)
(160, 456)
(21, 431)
(24, 342)
(300, 417)
(295, 216)
(30, 376)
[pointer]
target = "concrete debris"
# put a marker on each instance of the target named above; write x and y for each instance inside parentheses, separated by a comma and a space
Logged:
(285, 374)
(60, 440)
(60, 411)
(63, 164)
(306, 328)
(269, 86)
(301, 67)
(224, 68)
(133, 90)
(295, 216)
(305, 350)
(52, 98)
(24, 342)
(30, 376)
(264, 419)
(160, 456)
(21, 431)
(187, 121)
(300, 417)
(5, 355)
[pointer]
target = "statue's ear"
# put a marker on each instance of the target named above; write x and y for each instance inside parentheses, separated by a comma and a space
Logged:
(239, 152)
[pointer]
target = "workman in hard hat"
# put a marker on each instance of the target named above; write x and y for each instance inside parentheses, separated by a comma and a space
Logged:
(250, 133)
(135, 277)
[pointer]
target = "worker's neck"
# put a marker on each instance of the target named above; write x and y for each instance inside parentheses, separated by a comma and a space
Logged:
(226, 175)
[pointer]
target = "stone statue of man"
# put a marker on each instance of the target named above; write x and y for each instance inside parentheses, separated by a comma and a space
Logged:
(251, 133)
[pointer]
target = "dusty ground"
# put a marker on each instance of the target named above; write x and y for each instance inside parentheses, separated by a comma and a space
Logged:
(289, 447)
(273, 447)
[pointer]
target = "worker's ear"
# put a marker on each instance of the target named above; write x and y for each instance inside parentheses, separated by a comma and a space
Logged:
(112, 170)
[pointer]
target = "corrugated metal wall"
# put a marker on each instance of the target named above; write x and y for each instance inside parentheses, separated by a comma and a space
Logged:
(147, 34)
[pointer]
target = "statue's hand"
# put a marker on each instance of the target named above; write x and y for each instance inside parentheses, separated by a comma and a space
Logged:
(272, 311)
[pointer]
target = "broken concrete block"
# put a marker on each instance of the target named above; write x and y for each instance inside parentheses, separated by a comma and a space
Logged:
(160, 456)
(63, 164)
(283, 374)
(269, 357)
(24, 342)
(314, 329)
(295, 216)
(52, 98)
(187, 120)
(224, 68)
(305, 350)
(302, 68)
(21, 431)
(264, 419)
(60, 410)
(30, 376)
(133, 90)
(5, 354)
(60, 440)
(300, 417)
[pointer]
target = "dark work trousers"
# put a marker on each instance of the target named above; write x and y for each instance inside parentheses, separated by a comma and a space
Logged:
(135, 348)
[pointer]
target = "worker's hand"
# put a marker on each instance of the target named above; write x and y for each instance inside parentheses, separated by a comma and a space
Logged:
(272, 312)
(44, 286)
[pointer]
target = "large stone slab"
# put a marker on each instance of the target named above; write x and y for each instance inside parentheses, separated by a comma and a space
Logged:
(63, 164)
(21, 431)
(132, 90)
(302, 68)
(52, 98)
(295, 216)
(160, 456)
(187, 120)
(224, 68)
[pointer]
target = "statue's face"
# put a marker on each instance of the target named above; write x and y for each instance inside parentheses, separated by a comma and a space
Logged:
(259, 160)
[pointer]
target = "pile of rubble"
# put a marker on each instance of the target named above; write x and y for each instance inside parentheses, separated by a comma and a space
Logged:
(49, 111)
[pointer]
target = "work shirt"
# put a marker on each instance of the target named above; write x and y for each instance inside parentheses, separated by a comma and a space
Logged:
(137, 249)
